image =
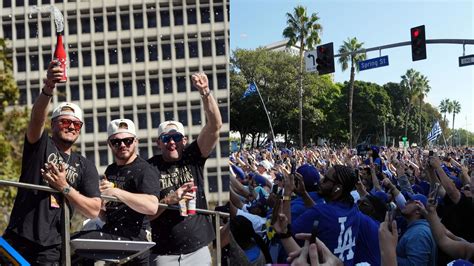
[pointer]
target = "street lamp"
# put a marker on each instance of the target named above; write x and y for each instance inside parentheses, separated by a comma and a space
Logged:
(385, 118)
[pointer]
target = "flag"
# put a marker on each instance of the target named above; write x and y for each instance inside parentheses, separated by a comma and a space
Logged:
(435, 132)
(250, 90)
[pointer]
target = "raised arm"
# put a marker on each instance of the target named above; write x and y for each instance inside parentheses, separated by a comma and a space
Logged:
(448, 185)
(209, 134)
(39, 112)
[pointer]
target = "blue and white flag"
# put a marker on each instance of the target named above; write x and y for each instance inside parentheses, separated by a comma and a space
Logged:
(435, 132)
(250, 90)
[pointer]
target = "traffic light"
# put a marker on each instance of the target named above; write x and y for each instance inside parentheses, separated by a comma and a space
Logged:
(325, 58)
(418, 43)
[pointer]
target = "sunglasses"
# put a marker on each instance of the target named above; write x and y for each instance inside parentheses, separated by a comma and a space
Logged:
(176, 138)
(118, 142)
(66, 123)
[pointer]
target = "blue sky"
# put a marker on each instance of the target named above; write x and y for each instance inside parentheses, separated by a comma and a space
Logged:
(257, 23)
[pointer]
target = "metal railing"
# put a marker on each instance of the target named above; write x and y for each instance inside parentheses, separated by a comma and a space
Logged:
(65, 218)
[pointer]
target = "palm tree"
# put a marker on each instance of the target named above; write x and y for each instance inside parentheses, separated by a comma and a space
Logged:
(455, 109)
(443, 108)
(347, 49)
(410, 82)
(422, 90)
(303, 31)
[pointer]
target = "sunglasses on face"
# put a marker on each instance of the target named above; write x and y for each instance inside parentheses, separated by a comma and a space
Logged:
(118, 142)
(176, 138)
(66, 123)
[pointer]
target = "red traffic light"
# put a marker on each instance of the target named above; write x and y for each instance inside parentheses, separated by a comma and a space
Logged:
(416, 32)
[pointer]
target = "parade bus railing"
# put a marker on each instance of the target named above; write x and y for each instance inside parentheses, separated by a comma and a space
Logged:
(65, 219)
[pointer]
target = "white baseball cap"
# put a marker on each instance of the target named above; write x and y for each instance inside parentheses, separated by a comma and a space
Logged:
(170, 127)
(121, 126)
(66, 108)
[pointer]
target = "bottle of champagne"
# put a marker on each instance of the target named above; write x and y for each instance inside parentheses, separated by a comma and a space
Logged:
(60, 55)
(192, 202)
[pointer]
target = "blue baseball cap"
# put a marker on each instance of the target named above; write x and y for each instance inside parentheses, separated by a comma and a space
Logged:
(420, 197)
(238, 172)
(310, 175)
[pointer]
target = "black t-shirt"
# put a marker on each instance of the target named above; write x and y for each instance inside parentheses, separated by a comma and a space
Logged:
(173, 233)
(136, 177)
(457, 218)
(36, 214)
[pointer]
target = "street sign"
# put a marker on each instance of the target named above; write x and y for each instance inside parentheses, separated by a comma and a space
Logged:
(466, 60)
(310, 60)
(373, 63)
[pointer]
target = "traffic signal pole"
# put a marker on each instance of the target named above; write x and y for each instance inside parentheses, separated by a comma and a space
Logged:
(408, 43)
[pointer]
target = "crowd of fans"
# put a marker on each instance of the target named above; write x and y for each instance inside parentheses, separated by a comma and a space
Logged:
(327, 205)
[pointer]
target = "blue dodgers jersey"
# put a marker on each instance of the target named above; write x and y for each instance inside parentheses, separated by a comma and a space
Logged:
(338, 227)
(367, 242)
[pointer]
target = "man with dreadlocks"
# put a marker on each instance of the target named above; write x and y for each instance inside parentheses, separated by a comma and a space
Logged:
(338, 219)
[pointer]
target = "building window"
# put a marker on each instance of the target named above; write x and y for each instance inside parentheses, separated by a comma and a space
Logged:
(153, 52)
(7, 31)
(86, 25)
(125, 21)
(141, 87)
(220, 47)
(99, 56)
(102, 122)
(46, 26)
(19, 2)
(155, 119)
(218, 14)
(224, 114)
(21, 63)
(86, 58)
(206, 48)
(196, 115)
(33, 27)
(221, 81)
(101, 91)
(87, 88)
(34, 62)
(112, 23)
(193, 49)
(154, 86)
(22, 99)
(166, 51)
(104, 160)
(143, 152)
(142, 120)
(90, 155)
(89, 124)
(205, 15)
(169, 115)
(168, 85)
(181, 84)
(113, 56)
(179, 50)
(178, 17)
(138, 20)
(114, 89)
(7, 3)
(74, 91)
(139, 54)
(34, 94)
(73, 59)
(183, 117)
(126, 55)
(20, 30)
(71, 26)
(127, 88)
(47, 59)
(99, 24)
(151, 19)
(61, 93)
(191, 16)
(165, 18)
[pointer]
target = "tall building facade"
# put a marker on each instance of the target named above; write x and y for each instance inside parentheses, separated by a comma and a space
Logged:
(129, 59)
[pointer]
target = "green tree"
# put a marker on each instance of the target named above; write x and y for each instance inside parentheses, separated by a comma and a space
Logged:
(349, 57)
(455, 109)
(422, 90)
(303, 31)
(443, 108)
(410, 83)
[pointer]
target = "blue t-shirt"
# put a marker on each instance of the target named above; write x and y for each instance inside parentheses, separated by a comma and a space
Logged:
(297, 206)
(338, 227)
(367, 242)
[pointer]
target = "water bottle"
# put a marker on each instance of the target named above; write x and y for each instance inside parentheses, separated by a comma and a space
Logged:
(60, 55)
